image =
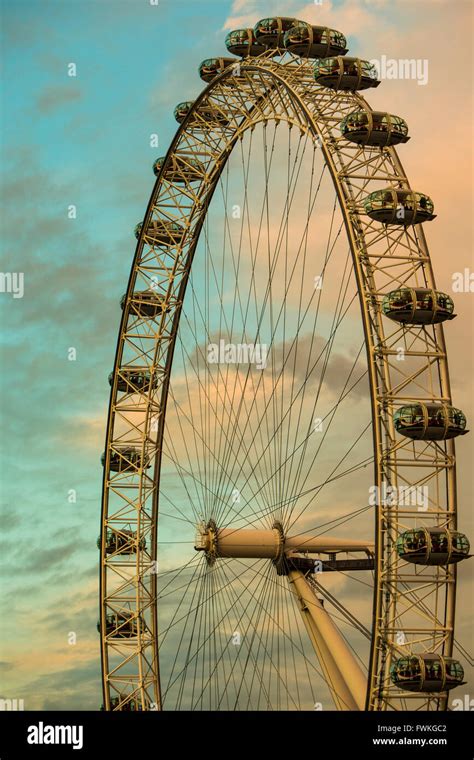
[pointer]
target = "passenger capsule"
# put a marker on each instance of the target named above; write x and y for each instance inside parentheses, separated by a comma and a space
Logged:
(180, 169)
(211, 67)
(429, 422)
(375, 128)
(396, 206)
(345, 73)
(146, 303)
(121, 542)
(270, 32)
(182, 110)
(134, 379)
(432, 546)
(161, 232)
(418, 306)
(122, 703)
(242, 42)
(126, 460)
(120, 625)
(427, 673)
(204, 114)
(314, 41)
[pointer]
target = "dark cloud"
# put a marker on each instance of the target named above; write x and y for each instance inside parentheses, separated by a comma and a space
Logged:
(83, 623)
(316, 360)
(56, 96)
(69, 581)
(310, 359)
(38, 560)
(10, 519)
(25, 591)
(21, 32)
(76, 688)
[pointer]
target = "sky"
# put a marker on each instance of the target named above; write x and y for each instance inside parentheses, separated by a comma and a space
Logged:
(85, 141)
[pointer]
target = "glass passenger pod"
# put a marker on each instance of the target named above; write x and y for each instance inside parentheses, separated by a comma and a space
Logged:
(126, 460)
(314, 41)
(418, 306)
(374, 128)
(271, 31)
(134, 380)
(123, 704)
(182, 110)
(180, 169)
(146, 303)
(122, 542)
(429, 422)
(242, 42)
(427, 673)
(207, 113)
(120, 625)
(395, 206)
(432, 546)
(345, 73)
(161, 232)
(211, 67)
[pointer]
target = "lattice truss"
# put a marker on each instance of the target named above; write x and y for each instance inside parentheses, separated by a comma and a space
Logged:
(415, 601)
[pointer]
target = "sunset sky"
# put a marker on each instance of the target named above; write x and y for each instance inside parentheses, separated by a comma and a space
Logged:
(85, 140)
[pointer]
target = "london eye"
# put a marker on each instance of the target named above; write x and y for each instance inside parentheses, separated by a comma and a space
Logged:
(279, 517)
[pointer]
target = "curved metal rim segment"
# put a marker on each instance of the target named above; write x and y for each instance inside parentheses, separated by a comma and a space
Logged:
(259, 90)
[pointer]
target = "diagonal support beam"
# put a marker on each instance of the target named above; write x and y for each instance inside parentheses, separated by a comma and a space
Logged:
(346, 681)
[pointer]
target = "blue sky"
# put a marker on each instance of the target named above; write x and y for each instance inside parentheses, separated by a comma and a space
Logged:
(81, 140)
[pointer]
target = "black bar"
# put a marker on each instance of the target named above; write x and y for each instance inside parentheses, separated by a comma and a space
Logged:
(166, 735)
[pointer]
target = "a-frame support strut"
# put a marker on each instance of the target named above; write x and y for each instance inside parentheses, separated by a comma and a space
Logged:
(345, 679)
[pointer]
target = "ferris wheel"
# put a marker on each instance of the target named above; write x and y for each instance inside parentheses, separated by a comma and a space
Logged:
(279, 518)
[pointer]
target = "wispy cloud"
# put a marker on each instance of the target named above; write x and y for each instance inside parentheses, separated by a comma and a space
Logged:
(57, 96)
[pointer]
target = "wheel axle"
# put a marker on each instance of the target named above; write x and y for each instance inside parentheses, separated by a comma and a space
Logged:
(273, 544)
